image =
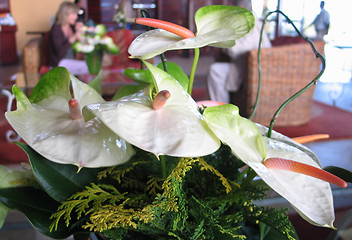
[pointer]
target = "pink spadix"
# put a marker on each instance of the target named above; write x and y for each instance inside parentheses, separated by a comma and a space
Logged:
(75, 110)
(170, 27)
(160, 99)
(293, 166)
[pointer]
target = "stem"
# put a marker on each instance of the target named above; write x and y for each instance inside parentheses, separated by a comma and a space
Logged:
(259, 69)
(145, 14)
(162, 57)
(193, 70)
(313, 82)
(163, 167)
(250, 176)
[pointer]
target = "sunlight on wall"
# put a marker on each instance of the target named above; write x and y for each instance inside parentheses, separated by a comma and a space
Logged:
(32, 15)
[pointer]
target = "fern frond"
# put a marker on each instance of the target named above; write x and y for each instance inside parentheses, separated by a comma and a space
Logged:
(85, 202)
(172, 186)
(153, 185)
(115, 216)
(206, 167)
(118, 172)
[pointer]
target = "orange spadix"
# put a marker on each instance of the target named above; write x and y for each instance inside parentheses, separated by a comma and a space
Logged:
(293, 166)
(160, 99)
(75, 110)
(170, 27)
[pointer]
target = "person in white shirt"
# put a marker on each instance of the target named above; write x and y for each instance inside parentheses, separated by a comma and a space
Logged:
(226, 77)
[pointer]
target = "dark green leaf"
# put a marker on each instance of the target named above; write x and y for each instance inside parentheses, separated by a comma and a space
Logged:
(81, 236)
(340, 172)
(60, 181)
(139, 75)
(37, 206)
(96, 83)
(176, 72)
(128, 90)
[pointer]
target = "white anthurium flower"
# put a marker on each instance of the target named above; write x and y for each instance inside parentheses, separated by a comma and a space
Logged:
(81, 47)
(50, 121)
(100, 29)
(168, 125)
(311, 197)
(217, 25)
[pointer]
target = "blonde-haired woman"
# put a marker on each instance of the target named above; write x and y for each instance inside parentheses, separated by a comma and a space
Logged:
(63, 33)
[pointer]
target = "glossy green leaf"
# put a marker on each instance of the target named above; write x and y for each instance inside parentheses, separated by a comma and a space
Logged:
(176, 72)
(60, 181)
(37, 206)
(177, 129)
(340, 172)
(48, 127)
(217, 25)
(139, 75)
(55, 82)
(12, 178)
(128, 90)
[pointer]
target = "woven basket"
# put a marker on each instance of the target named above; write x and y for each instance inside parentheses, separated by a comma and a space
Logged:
(285, 70)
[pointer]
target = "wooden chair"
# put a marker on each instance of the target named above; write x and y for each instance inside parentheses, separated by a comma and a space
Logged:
(285, 70)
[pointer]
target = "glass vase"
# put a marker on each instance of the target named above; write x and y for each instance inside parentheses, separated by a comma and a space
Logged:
(94, 60)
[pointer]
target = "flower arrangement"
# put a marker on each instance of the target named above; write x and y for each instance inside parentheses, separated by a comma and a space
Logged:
(153, 164)
(93, 42)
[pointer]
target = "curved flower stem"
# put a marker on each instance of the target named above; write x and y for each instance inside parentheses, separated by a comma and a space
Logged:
(259, 68)
(145, 14)
(313, 82)
(193, 71)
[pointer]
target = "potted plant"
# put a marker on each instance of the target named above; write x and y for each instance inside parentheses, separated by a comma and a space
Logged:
(93, 42)
(153, 164)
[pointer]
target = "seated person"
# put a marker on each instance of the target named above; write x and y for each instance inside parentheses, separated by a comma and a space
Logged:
(63, 33)
(226, 77)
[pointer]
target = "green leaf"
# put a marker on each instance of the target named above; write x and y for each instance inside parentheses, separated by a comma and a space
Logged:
(55, 82)
(128, 90)
(60, 181)
(340, 172)
(3, 214)
(12, 178)
(37, 206)
(139, 75)
(176, 72)
(96, 83)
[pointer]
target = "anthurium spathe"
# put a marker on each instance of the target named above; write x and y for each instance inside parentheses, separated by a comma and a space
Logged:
(50, 121)
(311, 197)
(217, 25)
(170, 124)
